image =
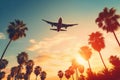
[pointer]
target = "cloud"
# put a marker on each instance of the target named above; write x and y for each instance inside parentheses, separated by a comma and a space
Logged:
(32, 41)
(60, 42)
(43, 58)
(2, 36)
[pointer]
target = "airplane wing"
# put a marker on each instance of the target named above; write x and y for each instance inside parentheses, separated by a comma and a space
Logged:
(56, 29)
(51, 23)
(68, 25)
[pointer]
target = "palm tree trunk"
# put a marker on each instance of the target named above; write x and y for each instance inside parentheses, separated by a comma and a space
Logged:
(36, 77)
(18, 72)
(72, 77)
(76, 74)
(89, 65)
(116, 38)
(90, 70)
(5, 49)
(27, 77)
(102, 60)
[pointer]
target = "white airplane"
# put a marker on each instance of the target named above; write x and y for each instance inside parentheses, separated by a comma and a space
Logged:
(59, 25)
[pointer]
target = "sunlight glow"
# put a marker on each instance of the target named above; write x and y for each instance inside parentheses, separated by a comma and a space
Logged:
(80, 60)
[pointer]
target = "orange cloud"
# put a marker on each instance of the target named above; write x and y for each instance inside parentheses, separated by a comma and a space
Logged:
(60, 42)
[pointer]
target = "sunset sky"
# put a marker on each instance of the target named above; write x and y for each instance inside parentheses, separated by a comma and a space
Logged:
(52, 50)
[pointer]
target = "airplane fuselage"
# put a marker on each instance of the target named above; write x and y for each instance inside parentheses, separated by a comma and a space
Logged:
(59, 24)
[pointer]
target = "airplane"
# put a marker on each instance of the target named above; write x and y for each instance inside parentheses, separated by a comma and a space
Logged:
(59, 25)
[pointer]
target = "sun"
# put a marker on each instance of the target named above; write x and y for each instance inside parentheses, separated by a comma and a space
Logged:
(80, 60)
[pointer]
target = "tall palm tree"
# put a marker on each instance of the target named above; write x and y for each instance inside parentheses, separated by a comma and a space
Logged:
(29, 69)
(37, 71)
(22, 58)
(108, 20)
(60, 74)
(3, 64)
(15, 30)
(97, 42)
(43, 75)
(86, 53)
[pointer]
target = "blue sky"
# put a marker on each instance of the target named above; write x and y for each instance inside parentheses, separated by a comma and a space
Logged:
(31, 12)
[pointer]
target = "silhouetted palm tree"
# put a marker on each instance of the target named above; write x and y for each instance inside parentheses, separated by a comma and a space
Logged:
(75, 66)
(97, 42)
(37, 71)
(115, 61)
(60, 74)
(2, 75)
(15, 30)
(14, 71)
(43, 75)
(22, 58)
(67, 74)
(3, 64)
(90, 75)
(86, 53)
(21, 76)
(29, 69)
(81, 70)
(115, 71)
(9, 77)
(108, 20)
(72, 71)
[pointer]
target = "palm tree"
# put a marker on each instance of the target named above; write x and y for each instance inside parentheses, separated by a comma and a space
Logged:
(75, 66)
(108, 20)
(9, 77)
(14, 71)
(72, 71)
(29, 69)
(15, 30)
(81, 70)
(22, 58)
(115, 61)
(67, 74)
(60, 74)
(2, 75)
(115, 71)
(3, 64)
(21, 76)
(43, 75)
(97, 42)
(86, 53)
(37, 71)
